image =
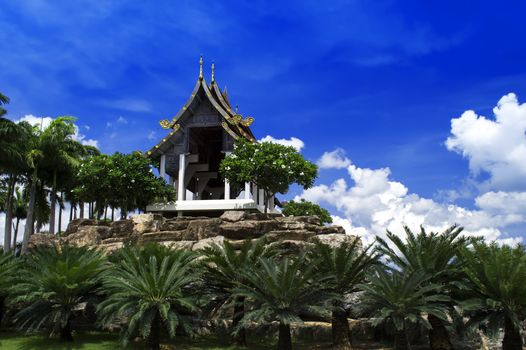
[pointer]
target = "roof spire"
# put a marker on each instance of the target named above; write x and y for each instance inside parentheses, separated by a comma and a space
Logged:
(213, 72)
(237, 108)
(201, 68)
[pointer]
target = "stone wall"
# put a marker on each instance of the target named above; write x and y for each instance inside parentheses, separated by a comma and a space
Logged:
(292, 233)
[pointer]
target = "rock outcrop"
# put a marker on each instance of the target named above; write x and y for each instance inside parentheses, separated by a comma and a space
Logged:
(292, 233)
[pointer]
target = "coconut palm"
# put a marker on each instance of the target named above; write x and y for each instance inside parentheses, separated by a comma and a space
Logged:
(343, 268)
(150, 288)
(282, 291)
(8, 266)
(437, 255)
(498, 299)
(402, 299)
(3, 100)
(53, 283)
(13, 149)
(19, 211)
(223, 269)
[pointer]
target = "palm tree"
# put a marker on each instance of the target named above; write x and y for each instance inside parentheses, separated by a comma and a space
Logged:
(282, 291)
(53, 283)
(344, 268)
(437, 255)
(149, 286)
(498, 300)
(402, 299)
(3, 100)
(61, 152)
(223, 269)
(8, 266)
(13, 146)
(19, 211)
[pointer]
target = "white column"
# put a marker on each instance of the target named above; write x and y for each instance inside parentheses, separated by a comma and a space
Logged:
(162, 170)
(255, 193)
(181, 190)
(227, 189)
(261, 201)
(247, 190)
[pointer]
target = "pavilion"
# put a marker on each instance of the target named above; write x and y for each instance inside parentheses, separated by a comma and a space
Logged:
(201, 134)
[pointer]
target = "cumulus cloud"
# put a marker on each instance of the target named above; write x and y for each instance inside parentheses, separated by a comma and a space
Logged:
(293, 141)
(494, 146)
(44, 122)
(334, 160)
(372, 202)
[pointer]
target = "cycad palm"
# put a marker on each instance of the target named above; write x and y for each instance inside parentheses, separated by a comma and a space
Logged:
(53, 282)
(403, 299)
(223, 269)
(498, 274)
(282, 291)
(437, 255)
(8, 267)
(343, 268)
(149, 287)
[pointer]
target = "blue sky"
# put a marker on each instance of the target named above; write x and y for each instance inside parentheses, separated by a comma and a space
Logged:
(381, 81)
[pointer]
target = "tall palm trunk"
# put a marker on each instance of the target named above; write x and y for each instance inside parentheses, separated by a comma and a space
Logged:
(341, 339)
(240, 337)
(81, 210)
(401, 342)
(60, 213)
(71, 207)
(28, 229)
(9, 213)
(284, 337)
(438, 335)
(53, 204)
(512, 336)
(65, 332)
(15, 236)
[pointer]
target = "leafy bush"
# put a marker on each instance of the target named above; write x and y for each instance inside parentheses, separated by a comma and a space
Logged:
(303, 207)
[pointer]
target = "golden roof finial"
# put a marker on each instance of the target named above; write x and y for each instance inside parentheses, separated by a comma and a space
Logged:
(201, 68)
(213, 72)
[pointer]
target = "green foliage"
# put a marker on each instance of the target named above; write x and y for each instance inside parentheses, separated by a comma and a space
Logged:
(52, 283)
(120, 180)
(272, 167)
(403, 298)
(3, 100)
(282, 291)
(304, 207)
(498, 293)
(150, 287)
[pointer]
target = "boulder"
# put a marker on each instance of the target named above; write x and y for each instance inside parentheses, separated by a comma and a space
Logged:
(314, 220)
(247, 229)
(207, 242)
(121, 228)
(86, 236)
(204, 228)
(289, 235)
(291, 247)
(233, 215)
(335, 240)
(74, 225)
(145, 223)
(42, 239)
(181, 235)
(174, 225)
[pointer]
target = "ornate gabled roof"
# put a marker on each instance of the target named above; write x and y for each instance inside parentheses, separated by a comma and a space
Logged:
(232, 122)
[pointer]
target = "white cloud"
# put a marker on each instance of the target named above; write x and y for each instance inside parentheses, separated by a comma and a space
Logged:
(496, 147)
(293, 141)
(44, 122)
(129, 104)
(334, 160)
(152, 136)
(122, 120)
(374, 203)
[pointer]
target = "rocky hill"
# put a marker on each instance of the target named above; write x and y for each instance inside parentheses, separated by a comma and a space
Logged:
(292, 233)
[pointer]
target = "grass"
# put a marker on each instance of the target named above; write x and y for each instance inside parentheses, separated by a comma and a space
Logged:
(11, 340)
